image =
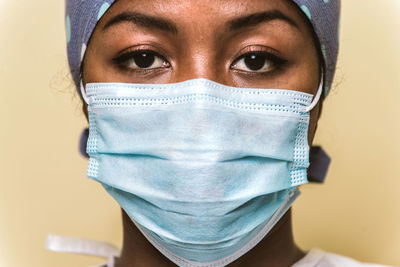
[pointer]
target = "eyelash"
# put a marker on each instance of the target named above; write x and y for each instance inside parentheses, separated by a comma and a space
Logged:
(277, 61)
(121, 61)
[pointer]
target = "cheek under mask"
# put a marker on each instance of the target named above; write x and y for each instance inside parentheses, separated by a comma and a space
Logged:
(204, 170)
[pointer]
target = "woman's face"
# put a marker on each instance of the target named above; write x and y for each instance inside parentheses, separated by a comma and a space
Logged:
(241, 43)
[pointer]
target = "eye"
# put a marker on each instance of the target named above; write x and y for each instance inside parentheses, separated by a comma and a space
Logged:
(257, 61)
(141, 60)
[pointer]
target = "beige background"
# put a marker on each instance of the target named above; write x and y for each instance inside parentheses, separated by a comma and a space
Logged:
(43, 188)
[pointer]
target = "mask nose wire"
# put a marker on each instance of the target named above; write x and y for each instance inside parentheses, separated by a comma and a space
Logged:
(83, 93)
(317, 96)
(307, 109)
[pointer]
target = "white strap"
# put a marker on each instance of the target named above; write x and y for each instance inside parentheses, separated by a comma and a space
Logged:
(81, 246)
(83, 92)
(110, 263)
(317, 96)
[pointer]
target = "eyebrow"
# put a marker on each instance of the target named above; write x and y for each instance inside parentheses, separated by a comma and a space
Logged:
(143, 20)
(258, 18)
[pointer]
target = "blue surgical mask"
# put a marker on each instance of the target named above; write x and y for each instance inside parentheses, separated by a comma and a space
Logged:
(204, 170)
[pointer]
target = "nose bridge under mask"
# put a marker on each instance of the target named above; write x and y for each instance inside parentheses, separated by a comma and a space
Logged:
(315, 101)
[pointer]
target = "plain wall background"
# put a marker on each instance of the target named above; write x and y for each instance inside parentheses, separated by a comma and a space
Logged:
(43, 188)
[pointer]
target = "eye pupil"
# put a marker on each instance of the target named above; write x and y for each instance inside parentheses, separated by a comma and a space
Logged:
(144, 60)
(254, 62)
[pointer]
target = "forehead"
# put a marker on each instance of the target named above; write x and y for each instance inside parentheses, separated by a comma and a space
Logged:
(205, 14)
(226, 7)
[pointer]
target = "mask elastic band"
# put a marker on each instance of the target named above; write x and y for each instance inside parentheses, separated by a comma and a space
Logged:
(81, 246)
(317, 96)
(83, 93)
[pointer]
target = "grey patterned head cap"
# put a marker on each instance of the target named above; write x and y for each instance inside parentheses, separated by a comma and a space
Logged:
(83, 15)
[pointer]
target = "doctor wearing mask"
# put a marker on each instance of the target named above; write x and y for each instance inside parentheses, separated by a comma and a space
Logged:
(201, 118)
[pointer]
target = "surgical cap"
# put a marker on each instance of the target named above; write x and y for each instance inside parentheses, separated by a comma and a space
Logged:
(83, 15)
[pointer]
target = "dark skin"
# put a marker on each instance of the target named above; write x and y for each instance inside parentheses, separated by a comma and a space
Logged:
(243, 43)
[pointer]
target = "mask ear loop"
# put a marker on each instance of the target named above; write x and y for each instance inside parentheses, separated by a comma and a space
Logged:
(83, 93)
(317, 96)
